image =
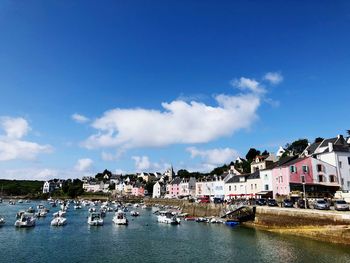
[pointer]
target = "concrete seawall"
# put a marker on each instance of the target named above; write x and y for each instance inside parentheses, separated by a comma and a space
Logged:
(329, 226)
(193, 209)
(287, 217)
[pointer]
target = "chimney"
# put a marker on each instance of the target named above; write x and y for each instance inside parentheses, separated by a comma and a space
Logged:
(330, 147)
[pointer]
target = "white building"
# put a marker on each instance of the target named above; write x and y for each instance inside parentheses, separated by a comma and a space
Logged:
(187, 187)
(156, 190)
(335, 151)
(235, 187)
(266, 179)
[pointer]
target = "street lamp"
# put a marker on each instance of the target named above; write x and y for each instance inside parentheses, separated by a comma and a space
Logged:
(303, 182)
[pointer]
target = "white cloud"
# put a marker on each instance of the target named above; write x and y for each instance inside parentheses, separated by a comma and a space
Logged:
(143, 163)
(30, 174)
(246, 84)
(79, 118)
(214, 157)
(12, 146)
(14, 128)
(42, 174)
(83, 165)
(178, 123)
(273, 77)
(107, 156)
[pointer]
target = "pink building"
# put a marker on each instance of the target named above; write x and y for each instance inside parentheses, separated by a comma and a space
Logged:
(138, 191)
(320, 178)
(174, 187)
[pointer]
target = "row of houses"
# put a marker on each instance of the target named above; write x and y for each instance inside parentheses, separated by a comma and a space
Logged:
(321, 170)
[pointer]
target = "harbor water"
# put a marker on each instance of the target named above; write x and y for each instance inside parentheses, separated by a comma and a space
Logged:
(145, 240)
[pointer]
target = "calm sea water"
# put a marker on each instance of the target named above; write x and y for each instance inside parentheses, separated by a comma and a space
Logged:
(145, 240)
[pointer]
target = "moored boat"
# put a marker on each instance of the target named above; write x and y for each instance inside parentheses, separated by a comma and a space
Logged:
(58, 221)
(25, 221)
(168, 218)
(134, 213)
(2, 221)
(95, 219)
(120, 218)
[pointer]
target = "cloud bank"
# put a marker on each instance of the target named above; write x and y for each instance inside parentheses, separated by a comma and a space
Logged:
(12, 146)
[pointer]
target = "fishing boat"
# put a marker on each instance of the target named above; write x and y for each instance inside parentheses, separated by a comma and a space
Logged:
(168, 218)
(120, 218)
(134, 213)
(58, 221)
(25, 221)
(95, 219)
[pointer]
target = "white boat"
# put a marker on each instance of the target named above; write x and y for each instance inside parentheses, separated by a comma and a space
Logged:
(41, 213)
(134, 213)
(95, 219)
(120, 218)
(92, 209)
(77, 207)
(2, 221)
(59, 221)
(168, 218)
(136, 205)
(25, 221)
(59, 213)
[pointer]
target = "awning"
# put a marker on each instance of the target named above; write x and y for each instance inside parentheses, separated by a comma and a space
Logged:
(264, 193)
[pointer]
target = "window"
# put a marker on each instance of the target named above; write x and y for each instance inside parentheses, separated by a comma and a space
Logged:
(332, 179)
(340, 164)
(319, 168)
(302, 178)
(235, 188)
(256, 187)
(320, 178)
(229, 188)
(293, 169)
(266, 187)
(348, 160)
(251, 186)
(305, 168)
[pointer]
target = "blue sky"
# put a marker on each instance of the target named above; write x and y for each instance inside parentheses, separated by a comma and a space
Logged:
(116, 62)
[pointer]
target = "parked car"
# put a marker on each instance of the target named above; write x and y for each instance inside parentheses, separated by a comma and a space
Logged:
(204, 199)
(272, 202)
(288, 203)
(321, 204)
(301, 203)
(218, 200)
(261, 201)
(341, 205)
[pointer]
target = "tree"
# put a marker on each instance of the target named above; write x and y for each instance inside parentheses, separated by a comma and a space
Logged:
(318, 139)
(251, 154)
(265, 153)
(219, 170)
(149, 187)
(298, 146)
(348, 132)
(183, 173)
